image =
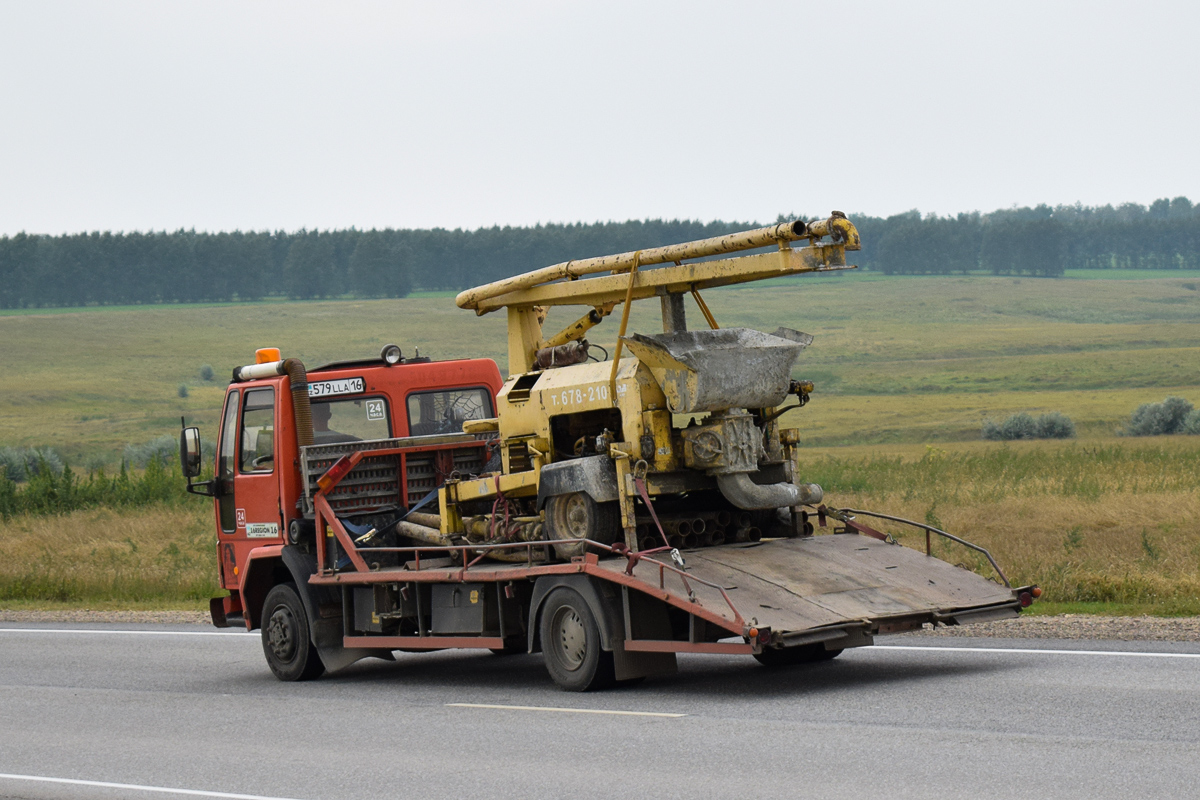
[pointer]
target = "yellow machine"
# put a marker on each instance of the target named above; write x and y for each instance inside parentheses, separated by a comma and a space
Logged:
(587, 447)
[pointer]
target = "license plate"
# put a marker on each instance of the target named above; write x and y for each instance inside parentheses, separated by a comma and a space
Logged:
(262, 530)
(330, 388)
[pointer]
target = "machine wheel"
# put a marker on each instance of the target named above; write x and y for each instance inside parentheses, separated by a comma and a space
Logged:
(571, 643)
(578, 516)
(285, 636)
(789, 656)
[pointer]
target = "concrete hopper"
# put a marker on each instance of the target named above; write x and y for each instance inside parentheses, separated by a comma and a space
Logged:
(720, 369)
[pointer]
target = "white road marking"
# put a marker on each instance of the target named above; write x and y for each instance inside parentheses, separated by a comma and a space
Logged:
(566, 710)
(1134, 653)
(127, 633)
(138, 787)
(248, 635)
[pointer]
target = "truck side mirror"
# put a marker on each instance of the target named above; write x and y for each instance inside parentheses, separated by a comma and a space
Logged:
(189, 452)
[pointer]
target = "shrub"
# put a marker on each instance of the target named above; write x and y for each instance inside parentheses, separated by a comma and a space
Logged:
(48, 493)
(1017, 426)
(206, 373)
(22, 463)
(12, 463)
(1158, 419)
(1191, 423)
(183, 390)
(1054, 425)
(165, 448)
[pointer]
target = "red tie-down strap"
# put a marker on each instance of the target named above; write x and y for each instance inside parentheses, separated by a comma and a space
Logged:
(640, 485)
(844, 518)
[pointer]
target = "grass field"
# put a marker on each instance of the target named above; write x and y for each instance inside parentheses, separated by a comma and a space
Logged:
(155, 557)
(1094, 521)
(906, 370)
(895, 359)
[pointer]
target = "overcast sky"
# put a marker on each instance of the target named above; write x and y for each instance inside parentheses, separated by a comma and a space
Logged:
(221, 116)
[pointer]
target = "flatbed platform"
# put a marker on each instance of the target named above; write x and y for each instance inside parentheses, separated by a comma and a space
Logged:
(803, 590)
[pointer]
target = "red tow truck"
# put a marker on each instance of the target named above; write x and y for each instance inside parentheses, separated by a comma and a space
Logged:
(609, 513)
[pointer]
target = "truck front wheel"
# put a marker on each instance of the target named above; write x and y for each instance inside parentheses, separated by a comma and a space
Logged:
(571, 643)
(285, 636)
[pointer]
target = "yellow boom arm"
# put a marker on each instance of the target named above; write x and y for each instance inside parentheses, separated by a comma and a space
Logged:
(526, 296)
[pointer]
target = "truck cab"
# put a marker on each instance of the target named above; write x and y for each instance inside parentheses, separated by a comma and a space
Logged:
(258, 487)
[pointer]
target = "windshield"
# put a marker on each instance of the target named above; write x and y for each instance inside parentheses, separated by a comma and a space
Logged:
(350, 420)
(445, 411)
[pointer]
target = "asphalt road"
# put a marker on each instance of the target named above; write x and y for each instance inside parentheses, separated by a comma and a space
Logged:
(166, 708)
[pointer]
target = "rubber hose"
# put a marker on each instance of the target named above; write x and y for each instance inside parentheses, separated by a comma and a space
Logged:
(301, 408)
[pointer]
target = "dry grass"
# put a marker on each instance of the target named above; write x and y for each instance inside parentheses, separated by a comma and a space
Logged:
(1090, 522)
(155, 557)
(1131, 549)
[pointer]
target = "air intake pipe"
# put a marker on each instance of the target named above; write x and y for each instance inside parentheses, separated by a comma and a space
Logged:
(301, 408)
(298, 377)
(750, 496)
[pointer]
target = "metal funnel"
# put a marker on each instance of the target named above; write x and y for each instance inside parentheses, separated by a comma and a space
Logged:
(721, 369)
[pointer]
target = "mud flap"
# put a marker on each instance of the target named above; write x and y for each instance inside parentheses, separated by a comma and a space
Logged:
(628, 665)
(326, 633)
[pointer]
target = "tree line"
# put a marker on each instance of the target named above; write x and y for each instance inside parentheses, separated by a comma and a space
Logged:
(1036, 241)
(187, 266)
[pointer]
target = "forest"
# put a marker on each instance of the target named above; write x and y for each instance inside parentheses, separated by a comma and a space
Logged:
(186, 266)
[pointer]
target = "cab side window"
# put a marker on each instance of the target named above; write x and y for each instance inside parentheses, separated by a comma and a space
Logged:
(225, 459)
(258, 432)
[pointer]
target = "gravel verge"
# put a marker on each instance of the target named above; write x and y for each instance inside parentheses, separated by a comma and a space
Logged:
(1079, 626)
(1064, 626)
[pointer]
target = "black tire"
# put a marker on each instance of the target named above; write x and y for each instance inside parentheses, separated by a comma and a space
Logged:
(827, 655)
(578, 516)
(571, 643)
(285, 636)
(790, 656)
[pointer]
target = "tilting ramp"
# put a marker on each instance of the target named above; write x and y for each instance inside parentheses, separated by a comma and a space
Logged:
(795, 585)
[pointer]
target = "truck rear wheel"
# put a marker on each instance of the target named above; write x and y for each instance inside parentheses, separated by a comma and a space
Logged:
(788, 656)
(578, 516)
(571, 643)
(285, 636)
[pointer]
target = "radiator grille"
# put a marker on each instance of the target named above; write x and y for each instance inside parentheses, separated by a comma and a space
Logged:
(375, 483)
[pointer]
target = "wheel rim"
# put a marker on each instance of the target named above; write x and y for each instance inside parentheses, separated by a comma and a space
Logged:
(576, 517)
(281, 633)
(570, 637)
